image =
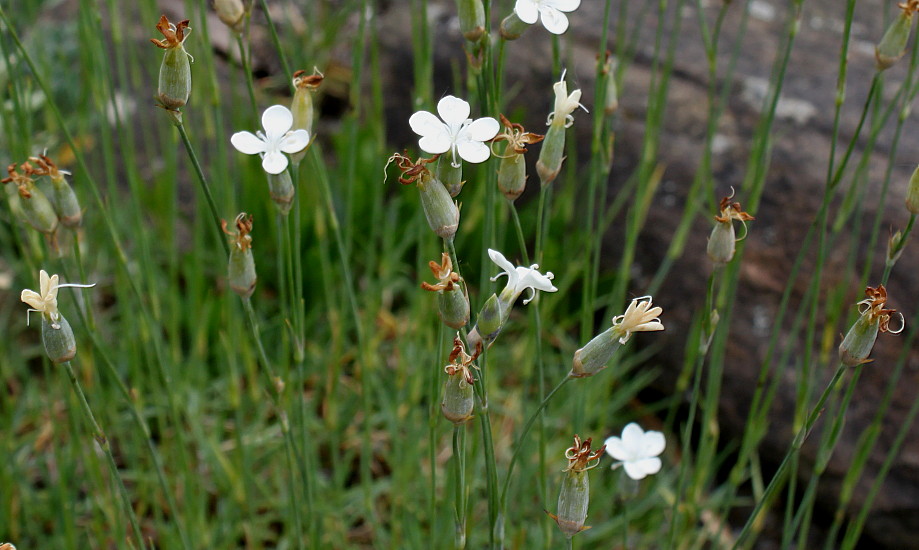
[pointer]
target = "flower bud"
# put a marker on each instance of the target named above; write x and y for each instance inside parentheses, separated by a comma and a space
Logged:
(281, 189)
(175, 70)
(912, 193)
(472, 19)
(594, 356)
(512, 27)
(551, 155)
(439, 208)
(489, 323)
(301, 106)
(231, 13)
(57, 337)
(873, 318)
(450, 172)
(241, 268)
(893, 44)
(895, 246)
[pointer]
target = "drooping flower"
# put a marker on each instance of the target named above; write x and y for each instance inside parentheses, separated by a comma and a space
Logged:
(456, 132)
(638, 317)
(45, 301)
(276, 140)
(637, 451)
(550, 12)
(519, 279)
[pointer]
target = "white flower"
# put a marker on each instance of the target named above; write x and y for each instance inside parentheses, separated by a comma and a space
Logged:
(45, 301)
(550, 11)
(637, 451)
(520, 278)
(275, 140)
(564, 104)
(638, 317)
(457, 133)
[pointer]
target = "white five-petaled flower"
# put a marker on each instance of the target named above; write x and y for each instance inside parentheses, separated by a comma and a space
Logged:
(637, 451)
(276, 140)
(456, 133)
(45, 301)
(638, 317)
(550, 11)
(520, 278)
(565, 104)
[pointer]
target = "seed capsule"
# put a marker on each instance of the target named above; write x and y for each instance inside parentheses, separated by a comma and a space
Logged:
(34, 205)
(893, 44)
(231, 13)
(512, 27)
(472, 19)
(450, 173)
(574, 494)
(912, 193)
(301, 106)
(874, 318)
(281, 189)
(457, 403)
(241, 267)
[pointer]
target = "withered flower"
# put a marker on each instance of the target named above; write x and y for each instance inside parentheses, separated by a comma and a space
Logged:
(874, 318)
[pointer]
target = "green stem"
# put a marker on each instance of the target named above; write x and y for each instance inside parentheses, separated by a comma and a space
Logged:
(779, 476)
(102, 440)
(205, 188)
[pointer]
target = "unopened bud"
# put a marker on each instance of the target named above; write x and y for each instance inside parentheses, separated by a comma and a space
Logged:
(58, 339)
(175, 70)
(552, 153)
(231, 13)
(895, 246)
(301, 106)
(893, 44)
(512, 27)
(472, 19)
(594, 356)
(912, 193)
(450, 172)
(281, 189)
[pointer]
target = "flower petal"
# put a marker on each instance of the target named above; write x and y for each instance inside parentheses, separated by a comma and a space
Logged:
(553, 20)
(473, 151)
(32, 298)
(634, 471)
(531, 278)
(424, 123)
(649, 466)
(502, 262)
(247, 143)
(616, 449)
(648, 326)
(482, 129)
(633, 437)
(295, 141)
(453, 110)
(563, 5)
(653, 444)
(277, 120)
(274, 162)
(45, 282)
(436, 144)
(527, 11)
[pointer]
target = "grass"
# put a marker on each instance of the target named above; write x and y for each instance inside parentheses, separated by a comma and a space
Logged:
(307, 416)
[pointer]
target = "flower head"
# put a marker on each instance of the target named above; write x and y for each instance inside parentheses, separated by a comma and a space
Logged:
(45, 301)
(277, 139)
(175, 34)
(520, 278)
(443, 272)
(637, 451)
(456, 133)
(638, 317)
(565, 103)
(549, 11)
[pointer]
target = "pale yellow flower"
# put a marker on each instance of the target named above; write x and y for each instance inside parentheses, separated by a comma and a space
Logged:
(638, 317)
(45, 301)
